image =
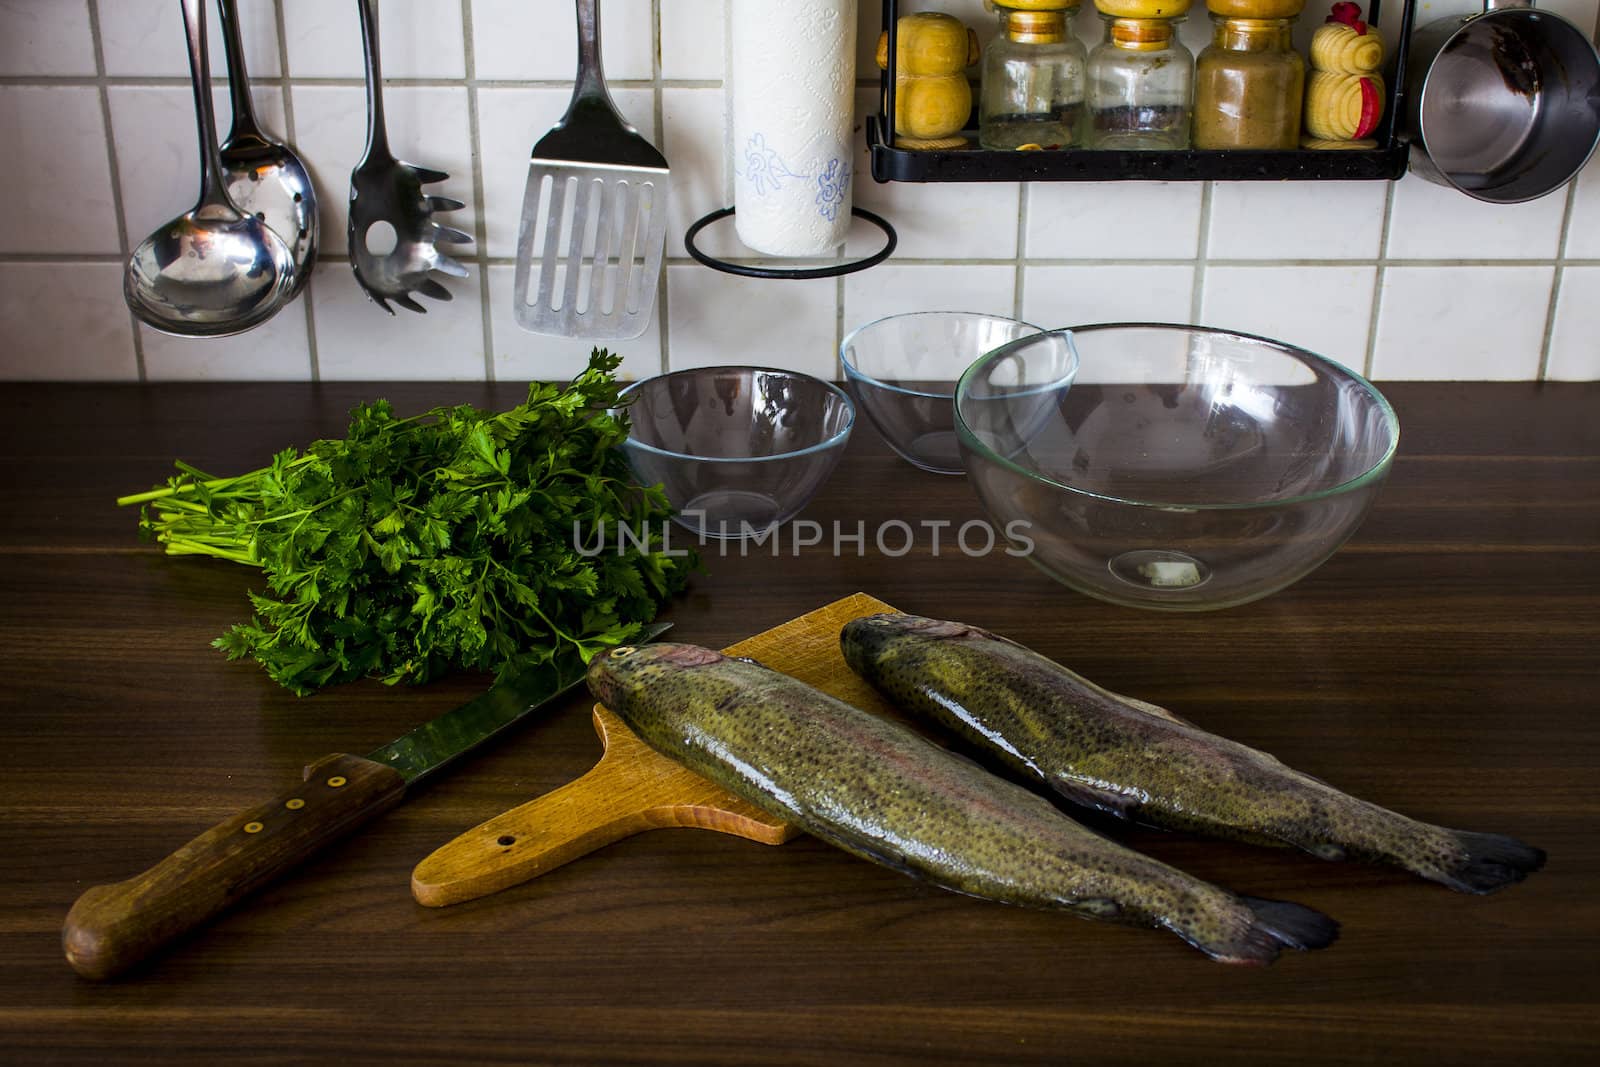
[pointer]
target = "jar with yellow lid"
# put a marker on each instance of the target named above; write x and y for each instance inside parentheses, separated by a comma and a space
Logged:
(1032, 88)
(1250, 81)
(1141, 78)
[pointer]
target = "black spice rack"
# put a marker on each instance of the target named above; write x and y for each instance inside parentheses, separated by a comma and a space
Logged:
(1386, 162)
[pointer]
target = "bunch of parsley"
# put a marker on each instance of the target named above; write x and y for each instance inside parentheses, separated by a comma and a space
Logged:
(445, 540)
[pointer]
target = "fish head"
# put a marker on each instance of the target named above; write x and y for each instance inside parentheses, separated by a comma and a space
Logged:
(868, 639)
(618, 675)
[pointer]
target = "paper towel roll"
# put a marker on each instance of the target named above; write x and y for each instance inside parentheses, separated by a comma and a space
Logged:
(793, 69)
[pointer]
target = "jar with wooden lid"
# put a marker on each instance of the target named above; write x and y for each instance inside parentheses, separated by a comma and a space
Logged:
(1141, 81)
(1250, 81)
(1032, 89)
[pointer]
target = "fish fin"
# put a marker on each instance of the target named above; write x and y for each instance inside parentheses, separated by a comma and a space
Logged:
(1105, 801)
(893, 859)
(1282, 923)
(1155, 709)
(1492, 861)
(1276, 925)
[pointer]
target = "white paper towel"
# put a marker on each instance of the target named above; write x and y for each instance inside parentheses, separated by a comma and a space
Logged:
(793, 94)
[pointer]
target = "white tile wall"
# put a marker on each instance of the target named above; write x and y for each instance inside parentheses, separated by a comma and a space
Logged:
(1326, 309)
(1462, 322)
(46, 37)
(1404, 280)
(62, 202)
(65, 321)
(1074, 296)
(505, 50)
(145, 38)
(1575, 344)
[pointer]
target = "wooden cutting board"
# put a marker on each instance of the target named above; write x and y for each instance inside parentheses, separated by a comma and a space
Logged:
(634, 788)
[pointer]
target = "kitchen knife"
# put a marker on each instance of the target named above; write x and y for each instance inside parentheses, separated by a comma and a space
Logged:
(112, 927)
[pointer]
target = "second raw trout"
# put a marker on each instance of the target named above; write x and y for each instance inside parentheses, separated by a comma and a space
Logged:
(1136, 761)
(879, 790)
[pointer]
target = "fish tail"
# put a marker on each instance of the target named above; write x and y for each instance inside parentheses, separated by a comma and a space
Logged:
(1274, 925)
(1490, 862)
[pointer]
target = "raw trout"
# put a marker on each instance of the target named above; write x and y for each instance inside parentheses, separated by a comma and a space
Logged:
(1137, 761)
(879, 790)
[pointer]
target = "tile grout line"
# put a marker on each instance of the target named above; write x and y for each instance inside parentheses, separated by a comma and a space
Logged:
(1202, 243)
(1379, 272)
(355, 81)
(1556, 280)
(119, 210)
(1019, 279)
(977, 261)
(658, 104)
(480, 223)
(314, 363)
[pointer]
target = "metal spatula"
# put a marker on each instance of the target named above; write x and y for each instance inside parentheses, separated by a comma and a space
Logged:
(594, 215)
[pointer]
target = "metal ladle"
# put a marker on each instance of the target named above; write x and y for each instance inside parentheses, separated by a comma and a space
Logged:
(264, 177)
(213, 270)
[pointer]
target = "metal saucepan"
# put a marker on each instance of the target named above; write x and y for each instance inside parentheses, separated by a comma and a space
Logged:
(1503, 104)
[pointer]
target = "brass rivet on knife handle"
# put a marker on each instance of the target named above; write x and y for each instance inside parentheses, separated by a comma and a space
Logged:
(113, 927)
(630, 790)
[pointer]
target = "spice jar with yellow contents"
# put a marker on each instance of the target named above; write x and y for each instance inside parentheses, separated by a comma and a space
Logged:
(1141, 77)
(1031, 94)
(1249, 82)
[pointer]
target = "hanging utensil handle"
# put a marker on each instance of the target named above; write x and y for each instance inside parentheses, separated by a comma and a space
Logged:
(377, 130)
(113, 927)
(591, 74)
(244, 112)
(194, 24)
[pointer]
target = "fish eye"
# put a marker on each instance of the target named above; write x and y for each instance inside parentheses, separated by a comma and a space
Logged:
(623, 651)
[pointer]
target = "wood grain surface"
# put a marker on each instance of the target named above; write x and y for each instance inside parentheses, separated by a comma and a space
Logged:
(1445, 663)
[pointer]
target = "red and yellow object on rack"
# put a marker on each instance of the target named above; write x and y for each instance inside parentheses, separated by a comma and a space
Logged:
(1344, 92)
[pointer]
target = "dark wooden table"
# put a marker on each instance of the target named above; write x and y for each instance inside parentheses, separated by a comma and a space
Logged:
(1444, 663)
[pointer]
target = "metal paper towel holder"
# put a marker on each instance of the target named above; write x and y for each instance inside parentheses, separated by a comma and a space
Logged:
(833, 270)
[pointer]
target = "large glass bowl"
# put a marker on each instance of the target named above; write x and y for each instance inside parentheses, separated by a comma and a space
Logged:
(1183, 469)
(737, 449)
(903, 370)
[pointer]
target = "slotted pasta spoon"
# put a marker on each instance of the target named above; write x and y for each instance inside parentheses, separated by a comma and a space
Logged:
(594, 214)
(383, 190)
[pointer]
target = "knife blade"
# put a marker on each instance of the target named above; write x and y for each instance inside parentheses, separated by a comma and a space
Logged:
(112, 927)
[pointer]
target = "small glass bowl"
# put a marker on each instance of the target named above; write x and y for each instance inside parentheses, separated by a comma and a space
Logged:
(738, 450)
(1186, 468)
(903, 370)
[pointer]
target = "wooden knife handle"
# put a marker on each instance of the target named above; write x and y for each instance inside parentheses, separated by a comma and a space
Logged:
(112, 927)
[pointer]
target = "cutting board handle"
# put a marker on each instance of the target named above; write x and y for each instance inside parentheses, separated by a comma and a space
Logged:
(633, 788)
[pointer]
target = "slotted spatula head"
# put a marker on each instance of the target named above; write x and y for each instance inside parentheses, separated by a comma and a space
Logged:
(594, 214)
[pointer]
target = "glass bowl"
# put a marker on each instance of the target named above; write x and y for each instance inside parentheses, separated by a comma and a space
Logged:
(1185, 468)
(903, 370)
(737, 449)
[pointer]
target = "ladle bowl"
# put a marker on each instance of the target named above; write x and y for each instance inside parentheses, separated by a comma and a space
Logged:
(265, 178)
(213, 270)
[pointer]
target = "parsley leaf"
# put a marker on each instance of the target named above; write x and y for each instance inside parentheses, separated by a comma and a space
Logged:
(444, 541)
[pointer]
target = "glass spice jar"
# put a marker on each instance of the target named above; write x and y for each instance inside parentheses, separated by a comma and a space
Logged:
(1032, 88)
(1140, 86)
(1249, 83)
